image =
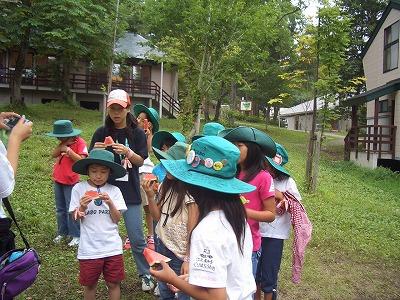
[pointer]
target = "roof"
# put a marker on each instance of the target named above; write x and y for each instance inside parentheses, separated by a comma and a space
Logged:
(392, 4)
(385, 89)
(303, 108)
(134, 46)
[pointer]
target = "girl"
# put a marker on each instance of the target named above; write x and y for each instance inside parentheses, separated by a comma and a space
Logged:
(147, 119)
(273, 234)
(129, 150)
(260, 207)
(220, 243)
(176, 214)
(70, 149)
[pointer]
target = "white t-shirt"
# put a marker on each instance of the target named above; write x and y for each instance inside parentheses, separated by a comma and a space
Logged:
(99, 234)
(7, 180)
(280, 227)
(215, 259)
(147, 166)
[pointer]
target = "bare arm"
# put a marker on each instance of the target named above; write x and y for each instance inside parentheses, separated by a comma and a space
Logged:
(153, 207)
(193, 216)
(18, 134)
(133, 157)
(115, 214)
(265, 215)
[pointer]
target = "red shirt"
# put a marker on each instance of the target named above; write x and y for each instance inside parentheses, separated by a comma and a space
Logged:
(264, 189)
(62, 171)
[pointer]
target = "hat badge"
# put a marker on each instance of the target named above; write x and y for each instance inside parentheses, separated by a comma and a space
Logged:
(277, 159)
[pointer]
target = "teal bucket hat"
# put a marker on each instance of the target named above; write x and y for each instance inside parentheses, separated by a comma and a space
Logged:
(211, 164)
(175, 152)
(100, 157)
(160, 136)
(281, 158)
(211, 128)
(150, 112)
(63, 129)
(253, 135)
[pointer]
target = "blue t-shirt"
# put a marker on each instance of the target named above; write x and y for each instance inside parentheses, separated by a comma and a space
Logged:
(130, 189)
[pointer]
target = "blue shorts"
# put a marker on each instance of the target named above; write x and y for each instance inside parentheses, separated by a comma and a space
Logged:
(269, 264)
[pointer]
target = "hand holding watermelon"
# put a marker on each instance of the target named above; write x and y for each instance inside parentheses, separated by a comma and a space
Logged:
(108, 141)
(154, 258)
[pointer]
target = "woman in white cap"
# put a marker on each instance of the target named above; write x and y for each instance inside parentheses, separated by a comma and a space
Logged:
(130, 150)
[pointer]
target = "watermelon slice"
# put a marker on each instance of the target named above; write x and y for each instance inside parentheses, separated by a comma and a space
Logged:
(154, 258)
(108, 141)
(150, 177)
(92, 194)
(145, 124)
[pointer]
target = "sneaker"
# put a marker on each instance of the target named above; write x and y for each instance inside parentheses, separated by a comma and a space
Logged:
(74, 242)
(127, 244)
(58, 239)
(156, 291)
(147, 283)
(150, 242)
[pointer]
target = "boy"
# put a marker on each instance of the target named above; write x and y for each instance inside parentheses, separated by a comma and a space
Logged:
(99, 206)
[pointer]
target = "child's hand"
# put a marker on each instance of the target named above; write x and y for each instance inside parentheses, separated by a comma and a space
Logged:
(148, 187)
(166, 274)
(185, 268)
(84, 201)
(99, 145)
(106, 198)
(120, 149)
(63, 148)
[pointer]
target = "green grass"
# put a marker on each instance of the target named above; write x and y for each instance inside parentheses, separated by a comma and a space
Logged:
(355, 248)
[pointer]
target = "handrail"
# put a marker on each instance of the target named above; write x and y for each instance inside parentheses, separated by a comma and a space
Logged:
(95, 82)
(371, 138)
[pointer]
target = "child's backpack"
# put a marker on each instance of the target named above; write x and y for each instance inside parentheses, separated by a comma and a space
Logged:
(18, 267)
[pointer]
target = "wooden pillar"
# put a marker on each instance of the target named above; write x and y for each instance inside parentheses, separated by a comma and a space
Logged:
(375, 132)
(354, 119)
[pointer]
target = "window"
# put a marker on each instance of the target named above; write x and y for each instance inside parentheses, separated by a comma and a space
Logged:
(391, 47)
(383, 106)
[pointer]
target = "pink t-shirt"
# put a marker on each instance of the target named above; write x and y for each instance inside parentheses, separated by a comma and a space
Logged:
(264, 189)
(62, 171)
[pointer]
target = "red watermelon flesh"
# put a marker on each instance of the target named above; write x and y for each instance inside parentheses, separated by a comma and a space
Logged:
(152, 257)
(108, 141)
(92, 194)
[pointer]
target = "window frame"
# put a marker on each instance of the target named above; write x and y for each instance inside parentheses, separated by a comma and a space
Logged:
(388, 46)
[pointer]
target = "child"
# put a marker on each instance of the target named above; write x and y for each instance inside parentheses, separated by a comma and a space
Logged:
(176, 214)
(274, 233)
(211, 128)
(130, 150)
(253, 144)
(70, 149)
(100, 246)
(147, 120)
(220, 243)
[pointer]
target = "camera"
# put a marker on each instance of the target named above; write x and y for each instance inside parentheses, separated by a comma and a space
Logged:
(11, 122)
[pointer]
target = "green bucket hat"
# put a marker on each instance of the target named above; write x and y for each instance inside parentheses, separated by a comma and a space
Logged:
(63, 129)
(100, 157)
(177, 151)
(211, 128)
(280, 159)
(211, 164)
(150, 112)
(250, 134)
(160, 136)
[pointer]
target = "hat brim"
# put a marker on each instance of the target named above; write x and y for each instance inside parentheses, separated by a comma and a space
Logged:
(161, 154)
(181, 170)
(242, 133)
(139, 108)
(277, 167)
(160, 137)
(195, 137)
(81, 167)
(117, 101)
(74, 132)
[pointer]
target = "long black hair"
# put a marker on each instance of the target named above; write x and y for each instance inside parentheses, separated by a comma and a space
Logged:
(208, 200)
(177, 189)
(131, 124)
(254, 162)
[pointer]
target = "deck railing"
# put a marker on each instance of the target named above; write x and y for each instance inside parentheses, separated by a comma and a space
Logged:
(379, 139)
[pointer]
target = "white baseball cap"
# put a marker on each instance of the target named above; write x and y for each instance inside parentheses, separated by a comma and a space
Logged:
(118, 97)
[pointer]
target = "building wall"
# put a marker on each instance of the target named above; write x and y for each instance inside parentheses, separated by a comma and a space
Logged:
(303, 122)
(170, 80)
(373, 63)
(364, 162)
(396, 104)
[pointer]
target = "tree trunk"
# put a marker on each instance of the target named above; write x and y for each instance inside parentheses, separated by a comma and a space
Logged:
(66, 84)
(267, 117)
(276, 112)
(206, 109)
(233, 95)
(16, 79)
